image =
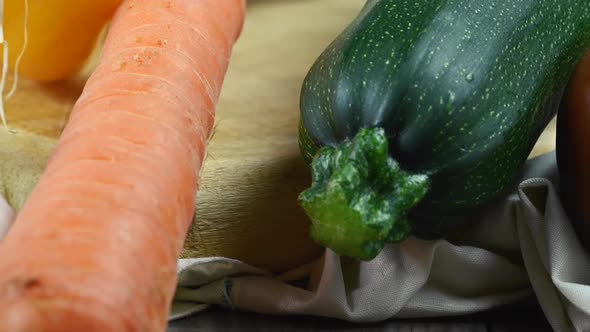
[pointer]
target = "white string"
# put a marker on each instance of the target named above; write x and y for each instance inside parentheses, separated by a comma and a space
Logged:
(3, 82)
(22, 51)
(4, 64)
(1, 21)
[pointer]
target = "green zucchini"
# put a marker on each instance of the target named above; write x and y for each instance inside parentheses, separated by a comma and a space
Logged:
(422, 112)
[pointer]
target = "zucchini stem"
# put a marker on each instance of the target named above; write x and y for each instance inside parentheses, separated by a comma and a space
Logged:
(360, 197)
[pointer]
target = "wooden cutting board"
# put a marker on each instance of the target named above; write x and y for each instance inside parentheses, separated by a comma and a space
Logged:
(247, 200)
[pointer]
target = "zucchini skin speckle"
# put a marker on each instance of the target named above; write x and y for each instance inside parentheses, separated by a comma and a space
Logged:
(461, 88)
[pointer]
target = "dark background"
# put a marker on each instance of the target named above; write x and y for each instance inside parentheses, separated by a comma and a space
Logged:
(521, 316)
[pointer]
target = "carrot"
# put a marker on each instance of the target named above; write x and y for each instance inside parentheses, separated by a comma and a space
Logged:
(95, 246)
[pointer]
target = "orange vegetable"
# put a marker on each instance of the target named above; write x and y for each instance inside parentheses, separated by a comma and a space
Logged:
(95, 246)
(61, 34)
(573, 155)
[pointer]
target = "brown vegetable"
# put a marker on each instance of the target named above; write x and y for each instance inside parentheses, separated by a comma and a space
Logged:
(573, 151)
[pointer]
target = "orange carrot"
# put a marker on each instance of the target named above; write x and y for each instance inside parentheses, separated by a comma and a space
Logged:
(96, 244)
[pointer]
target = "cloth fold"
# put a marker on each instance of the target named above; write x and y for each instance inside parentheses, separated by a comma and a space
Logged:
(523, 245)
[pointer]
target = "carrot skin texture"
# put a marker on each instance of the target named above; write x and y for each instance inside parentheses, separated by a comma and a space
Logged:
(96, 244)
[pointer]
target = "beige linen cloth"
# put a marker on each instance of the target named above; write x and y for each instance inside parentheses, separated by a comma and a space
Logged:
(522, 246)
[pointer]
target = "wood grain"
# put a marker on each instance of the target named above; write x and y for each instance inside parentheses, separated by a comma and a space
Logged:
(247, 200)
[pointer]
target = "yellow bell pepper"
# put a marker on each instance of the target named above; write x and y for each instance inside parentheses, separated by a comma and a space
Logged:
(61, 34)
